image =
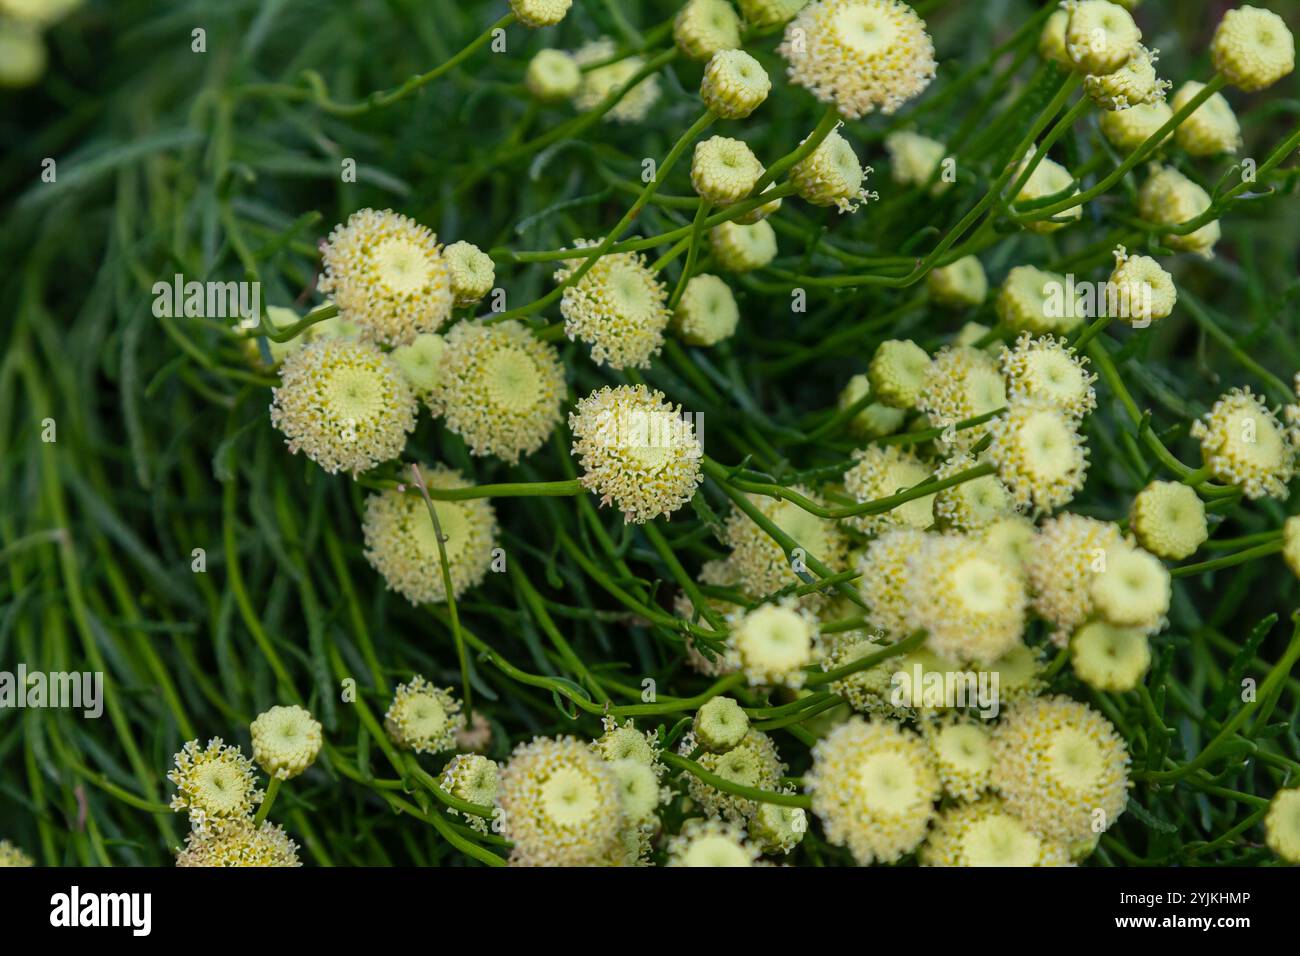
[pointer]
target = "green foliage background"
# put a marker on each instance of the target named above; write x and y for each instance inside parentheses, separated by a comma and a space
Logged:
(173, 161)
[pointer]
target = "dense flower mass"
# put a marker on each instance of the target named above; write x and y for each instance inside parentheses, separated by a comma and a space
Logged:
(900, 473)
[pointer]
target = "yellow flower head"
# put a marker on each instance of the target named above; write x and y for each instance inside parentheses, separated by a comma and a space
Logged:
(1212, 129)
(1039, 454)
(1168, 518)
(344, 404)
(883, 569)
(472, 272)
(603, 81)
(913, 159)
(973, 504)
(831, 175)
(1139, 290)
(423, 718)
(985, 833)
(636, 451)
(963, 755)
(419, 363)
(762, 567)
(1032, 300)
(1253, 48)
(873, 787)
(879, 472)
(970, 603)
(734, 84)
(11, 855)
(214, 783)
(1168, 198)
(773, 643)
(1244, 444)
(237, 842)
(962, 383)
(724, 170)
(707, 312)
(402, 546)
(619, 308)
(711, 843)
(540, 13)
(387, 273)
(553, 75)
(1049, 178)
(720, 725)
(286, 741)
(959, 284)
(1282, 825)
(898, 372)
(1109, 658)
(1047, 368)
(741, 247)
(705, 27)
(861, 55)
(1133, 84)
(778, 829)
(1128, 129)
(474, 779)
(753, 762)
(559, 804)
(1100, 36)
(499, 387)
(876, 419)
(1060, 767)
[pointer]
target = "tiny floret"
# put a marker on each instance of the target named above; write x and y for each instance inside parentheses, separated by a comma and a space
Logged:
(959, 284)
(720, 725)
(741, 247)
(238, 842)
(772, 644)
(1282, 825)
(711, 843)
(1100, 36)
(1109, 658)
(1048, 368)
(1039, 453)
(898, 371)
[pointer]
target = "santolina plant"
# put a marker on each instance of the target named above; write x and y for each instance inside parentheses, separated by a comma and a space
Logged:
(809, 432)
